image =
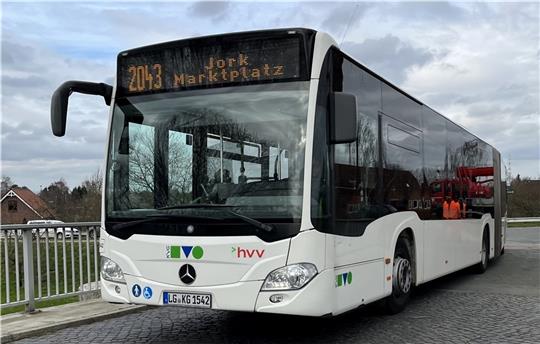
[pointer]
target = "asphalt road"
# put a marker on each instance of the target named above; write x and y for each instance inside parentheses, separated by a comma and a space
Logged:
(523, 235)
(500, 306)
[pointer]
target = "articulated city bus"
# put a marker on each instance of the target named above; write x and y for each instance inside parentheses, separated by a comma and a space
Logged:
(268, 171)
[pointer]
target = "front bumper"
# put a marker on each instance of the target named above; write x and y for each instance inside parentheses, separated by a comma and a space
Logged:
(314, 299)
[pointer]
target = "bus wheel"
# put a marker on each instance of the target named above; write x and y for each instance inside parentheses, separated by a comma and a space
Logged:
(484, 254)
(402, 279)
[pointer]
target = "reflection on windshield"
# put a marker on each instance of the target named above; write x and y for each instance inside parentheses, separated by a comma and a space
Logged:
(239, 146)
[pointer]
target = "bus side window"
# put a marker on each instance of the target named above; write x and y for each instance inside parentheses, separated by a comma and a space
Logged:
(356, 164)
(402, 173)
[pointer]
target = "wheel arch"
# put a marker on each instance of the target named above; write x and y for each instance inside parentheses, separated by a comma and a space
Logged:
(408, 234)
(488, 222)
(487, 229)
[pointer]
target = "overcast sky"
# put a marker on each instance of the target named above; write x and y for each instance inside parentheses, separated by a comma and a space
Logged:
(476, 63)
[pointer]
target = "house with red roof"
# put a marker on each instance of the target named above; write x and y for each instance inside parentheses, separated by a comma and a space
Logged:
(20, 205)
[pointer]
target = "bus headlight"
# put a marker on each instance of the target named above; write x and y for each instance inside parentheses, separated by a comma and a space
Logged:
(289, 277)
(110, 271)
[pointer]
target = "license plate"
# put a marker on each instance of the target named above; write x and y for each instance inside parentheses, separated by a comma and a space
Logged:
(188, 299)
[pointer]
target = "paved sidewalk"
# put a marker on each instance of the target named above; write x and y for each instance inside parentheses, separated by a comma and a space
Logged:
(22, 325)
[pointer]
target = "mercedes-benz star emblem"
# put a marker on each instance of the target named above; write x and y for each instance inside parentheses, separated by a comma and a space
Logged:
(187, 274)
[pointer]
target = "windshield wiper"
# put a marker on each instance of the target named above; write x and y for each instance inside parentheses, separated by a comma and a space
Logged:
(265, 227)
(157, 217)
(252, 221)
(196, 205)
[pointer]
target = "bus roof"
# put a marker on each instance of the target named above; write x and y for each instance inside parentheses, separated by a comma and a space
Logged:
(309, 41)
(307, 33)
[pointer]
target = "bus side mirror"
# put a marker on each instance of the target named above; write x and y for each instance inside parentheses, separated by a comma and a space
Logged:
(342, 117)
(59, 102)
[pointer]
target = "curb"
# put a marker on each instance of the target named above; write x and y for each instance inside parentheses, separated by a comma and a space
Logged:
(521, 246)
(10, 337)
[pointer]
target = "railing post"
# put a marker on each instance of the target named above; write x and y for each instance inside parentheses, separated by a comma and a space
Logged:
(28, 262)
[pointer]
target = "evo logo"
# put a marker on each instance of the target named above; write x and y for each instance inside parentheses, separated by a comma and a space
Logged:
(196, 252)
(343, 279)
(239, 252)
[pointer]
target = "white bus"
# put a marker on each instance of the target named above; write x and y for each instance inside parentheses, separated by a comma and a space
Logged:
(268, 171)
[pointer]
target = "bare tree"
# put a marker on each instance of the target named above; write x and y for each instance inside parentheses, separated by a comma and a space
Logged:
(89, 206)
(367, 153)
(7, 183)
(142, 150)
(57, 197)
(180, 168)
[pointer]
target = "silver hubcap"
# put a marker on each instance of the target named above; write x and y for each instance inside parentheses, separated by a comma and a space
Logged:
(402, 276)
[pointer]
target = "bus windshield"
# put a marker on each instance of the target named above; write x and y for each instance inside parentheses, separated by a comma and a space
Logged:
(242, 147)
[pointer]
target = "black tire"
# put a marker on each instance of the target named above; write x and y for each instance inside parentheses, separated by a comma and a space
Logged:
(59, 235)
(402, 279)
(482, 266)
(502, 251)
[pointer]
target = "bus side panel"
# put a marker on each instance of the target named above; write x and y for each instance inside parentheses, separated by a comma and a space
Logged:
(308, 246)
(440, 238)
(358, 284)
(358, 268)
(470, 241)
(361, 273)
(451, 245)
(355, 249)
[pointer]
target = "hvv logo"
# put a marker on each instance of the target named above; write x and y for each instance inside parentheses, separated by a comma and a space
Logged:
(240, 252)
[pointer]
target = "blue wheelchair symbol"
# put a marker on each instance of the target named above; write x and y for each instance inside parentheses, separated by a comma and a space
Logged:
(136, 290)
(147, 292)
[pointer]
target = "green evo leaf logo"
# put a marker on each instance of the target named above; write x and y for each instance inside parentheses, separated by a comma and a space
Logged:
(344, 279)
(178, 252)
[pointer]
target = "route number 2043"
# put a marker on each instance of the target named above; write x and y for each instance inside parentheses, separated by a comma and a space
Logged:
(145, 78)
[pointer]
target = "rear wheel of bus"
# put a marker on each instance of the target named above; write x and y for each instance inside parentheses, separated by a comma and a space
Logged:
(482, 266)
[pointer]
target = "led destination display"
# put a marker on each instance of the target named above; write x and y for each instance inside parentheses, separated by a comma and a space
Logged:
(217, 65)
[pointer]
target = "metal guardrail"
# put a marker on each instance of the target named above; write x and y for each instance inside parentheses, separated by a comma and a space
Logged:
(523, 219)
(49, 255)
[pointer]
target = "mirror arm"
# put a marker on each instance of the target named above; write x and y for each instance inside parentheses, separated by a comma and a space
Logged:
(60, 97)
(94, 88)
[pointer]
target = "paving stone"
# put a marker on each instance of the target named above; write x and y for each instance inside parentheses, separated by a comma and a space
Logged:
(500, 306)
(432, 317)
